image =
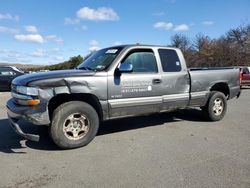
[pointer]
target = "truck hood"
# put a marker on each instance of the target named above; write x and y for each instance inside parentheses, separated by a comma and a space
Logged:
(24, 80)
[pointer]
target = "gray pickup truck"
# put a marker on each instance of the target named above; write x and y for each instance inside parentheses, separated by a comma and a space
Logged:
(116, 82)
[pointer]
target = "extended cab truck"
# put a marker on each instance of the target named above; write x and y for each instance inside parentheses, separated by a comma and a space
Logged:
(115, 82)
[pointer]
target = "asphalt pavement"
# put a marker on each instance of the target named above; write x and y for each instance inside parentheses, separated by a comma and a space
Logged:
(178, 149)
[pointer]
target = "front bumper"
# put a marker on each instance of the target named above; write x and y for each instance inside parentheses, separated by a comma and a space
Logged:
(18, 130)
(37, 115)
(245, 83)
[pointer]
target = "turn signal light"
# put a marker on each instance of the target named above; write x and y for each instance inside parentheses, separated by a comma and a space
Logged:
(33, 102)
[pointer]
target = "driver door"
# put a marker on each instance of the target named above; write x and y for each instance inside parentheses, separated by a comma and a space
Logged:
(136, 92)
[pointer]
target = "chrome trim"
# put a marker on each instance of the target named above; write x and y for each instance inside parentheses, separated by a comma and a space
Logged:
(199, 94)
(174, 97)
(129, 102)
(21, 96)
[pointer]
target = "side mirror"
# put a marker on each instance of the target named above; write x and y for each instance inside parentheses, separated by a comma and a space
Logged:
(125, 67)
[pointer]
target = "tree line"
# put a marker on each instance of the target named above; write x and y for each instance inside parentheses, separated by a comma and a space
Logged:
(72, 63)
(231, 49)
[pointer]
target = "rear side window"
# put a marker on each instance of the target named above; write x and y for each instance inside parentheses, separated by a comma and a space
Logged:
(169, 60)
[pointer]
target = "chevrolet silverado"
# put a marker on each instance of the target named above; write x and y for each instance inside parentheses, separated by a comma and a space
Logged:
(116, 82)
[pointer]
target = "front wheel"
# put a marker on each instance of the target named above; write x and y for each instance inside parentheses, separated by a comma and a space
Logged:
(216, 106)
(74, 124)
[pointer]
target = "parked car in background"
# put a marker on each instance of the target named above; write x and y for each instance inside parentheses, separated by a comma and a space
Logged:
(245, 76)
(7, 74)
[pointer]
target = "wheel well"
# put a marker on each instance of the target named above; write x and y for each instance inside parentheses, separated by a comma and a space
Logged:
(222, 87)
(62, 98)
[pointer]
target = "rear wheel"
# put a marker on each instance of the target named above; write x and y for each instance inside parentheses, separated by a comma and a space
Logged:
(216, 106)
(74, 124)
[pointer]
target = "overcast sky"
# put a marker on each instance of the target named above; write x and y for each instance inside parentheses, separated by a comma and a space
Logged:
(48, 32)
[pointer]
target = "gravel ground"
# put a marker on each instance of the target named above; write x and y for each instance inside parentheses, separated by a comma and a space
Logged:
(177, 149)
(4, 96)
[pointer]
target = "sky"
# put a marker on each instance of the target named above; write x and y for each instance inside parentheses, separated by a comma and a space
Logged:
(46, 32)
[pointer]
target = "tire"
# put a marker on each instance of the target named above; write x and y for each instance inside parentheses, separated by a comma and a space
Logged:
(216, 106)
(74, 124)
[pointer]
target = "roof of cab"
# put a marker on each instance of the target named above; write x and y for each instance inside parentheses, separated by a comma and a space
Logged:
(144, 46)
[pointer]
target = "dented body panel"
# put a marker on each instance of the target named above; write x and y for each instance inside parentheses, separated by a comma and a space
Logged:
(125, 94)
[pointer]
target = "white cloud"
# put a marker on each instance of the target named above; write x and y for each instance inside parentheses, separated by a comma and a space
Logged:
(3, 51)
(71, 21)
(181, 27)
(31, 29)
(94, 45)
(94, 48)
(163, 25)
(39, 53)
(171, 26)
(8, 30)
(39, 56)
(11, 53)
(55, 39)
(81, 28)
(117, 43)
(51, 37)
(207, 23)
(99, 14)
(36, 38)
(11, 56)
(8, 16)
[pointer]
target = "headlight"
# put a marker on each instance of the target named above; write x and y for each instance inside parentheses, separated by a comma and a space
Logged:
(27, 90)
(25, 99)
(26, 95)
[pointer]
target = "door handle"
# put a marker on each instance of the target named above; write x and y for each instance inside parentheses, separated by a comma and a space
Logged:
(156, 81)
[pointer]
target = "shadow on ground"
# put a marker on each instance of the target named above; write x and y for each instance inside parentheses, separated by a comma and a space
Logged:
(10, 142)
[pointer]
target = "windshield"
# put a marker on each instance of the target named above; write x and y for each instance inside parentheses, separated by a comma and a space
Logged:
(18, 69)
(101, 59)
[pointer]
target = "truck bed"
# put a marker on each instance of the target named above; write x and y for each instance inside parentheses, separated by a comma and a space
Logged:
(202, 80)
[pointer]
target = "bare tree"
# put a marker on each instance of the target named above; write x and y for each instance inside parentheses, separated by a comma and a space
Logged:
(239, 41)
(180, 41)
(232, 49)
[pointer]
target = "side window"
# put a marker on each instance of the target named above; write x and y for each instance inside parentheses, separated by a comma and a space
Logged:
(245, 70)
(143, 61)
(7, 73)
(169, 60)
